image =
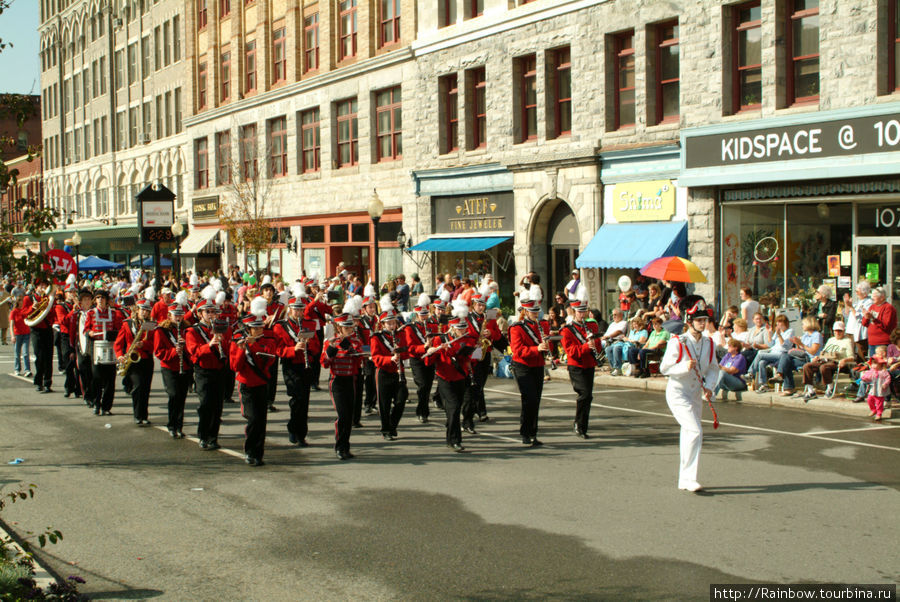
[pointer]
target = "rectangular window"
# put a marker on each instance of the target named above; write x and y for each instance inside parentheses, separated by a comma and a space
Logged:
(389, 22)
(87, 142)
(95, 79)
(476, 108)
(167, 36)
(157, 48)
(446, 12)
(279, 62)
(624, 80)
(310, 151)
(248, 152)
(388, 124)
(202, 158)
(169, 130)
(527, 90)
(148, 122)
(250, 66)
(176, 38)
(474, 8)
(178, 124)
(97, 147)
(278, 147)
(201, 86)
(311, 43)
(132, 63)
(145, 57)
(747, 57)
(347, 133)
(121, 141)
(76, 90)
(119, 59)
(223, 158)
(667, 72)
(104, 134)
(225, 78)
(560, 91)
(803, 52)
(347, 18)
(160, 132)
(224, 7)
(449, 113)
(201, 14)
(893, 49)
(132, 126)
(86, 86)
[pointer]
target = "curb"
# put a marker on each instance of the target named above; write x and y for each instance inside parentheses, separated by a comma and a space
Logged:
(820, 405)
(42, 577)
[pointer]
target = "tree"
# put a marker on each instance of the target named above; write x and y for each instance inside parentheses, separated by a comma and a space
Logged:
(246, 210)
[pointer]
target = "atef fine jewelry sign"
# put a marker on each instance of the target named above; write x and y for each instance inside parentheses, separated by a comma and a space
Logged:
(473, 213)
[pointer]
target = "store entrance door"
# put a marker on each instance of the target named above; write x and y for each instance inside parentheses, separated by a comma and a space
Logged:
(877, 259)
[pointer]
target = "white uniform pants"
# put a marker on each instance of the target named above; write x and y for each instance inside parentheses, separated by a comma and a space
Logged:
(688, 416)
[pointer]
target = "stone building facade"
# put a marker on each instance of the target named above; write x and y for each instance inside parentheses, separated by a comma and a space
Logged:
(112, 82)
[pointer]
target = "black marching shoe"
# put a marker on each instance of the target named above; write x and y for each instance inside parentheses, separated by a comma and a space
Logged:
(47, 390)
(483, 418)
(422, 419)
(181, 434)
(535, 442)
(344, 455)
(173, 433)
(293, 439)
(457, 447)
(370, 411)
(107, 412)
(250, 460)
(357, 425)
(302, 443)
(39, 389)
(470, 428)
(272, 407)
(204, 444)
(138, 421)
(67, 394)
(96, 410)
(526, 440)
(213, 445)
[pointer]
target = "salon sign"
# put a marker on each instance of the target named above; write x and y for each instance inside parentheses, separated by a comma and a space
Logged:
(651, 201)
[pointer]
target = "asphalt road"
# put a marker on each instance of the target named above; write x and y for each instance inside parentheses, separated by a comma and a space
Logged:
(148, 517)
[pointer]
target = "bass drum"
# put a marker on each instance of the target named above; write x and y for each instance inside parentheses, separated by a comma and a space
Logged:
(104, 354)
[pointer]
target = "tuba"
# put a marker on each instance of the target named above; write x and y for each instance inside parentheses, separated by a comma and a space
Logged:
(42, 309)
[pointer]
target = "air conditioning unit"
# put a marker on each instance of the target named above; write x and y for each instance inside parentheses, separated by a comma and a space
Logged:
(144, 138)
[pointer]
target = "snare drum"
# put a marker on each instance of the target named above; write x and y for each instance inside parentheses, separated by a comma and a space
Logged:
(104, 354)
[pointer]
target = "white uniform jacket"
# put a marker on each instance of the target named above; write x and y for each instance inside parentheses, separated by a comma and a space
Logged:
(683, 383)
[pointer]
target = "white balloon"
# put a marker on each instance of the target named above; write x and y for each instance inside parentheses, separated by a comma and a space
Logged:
(624, 283)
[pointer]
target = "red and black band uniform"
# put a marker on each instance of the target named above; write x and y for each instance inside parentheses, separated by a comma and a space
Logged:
(317, 312)
(42, 342)
(342, 357)
(581, 367)
(211, 367)
(229, 313)
(436, 326)
(103, 326)
(252, 364)
(367, 391)
(528, 370)
(452, 368)
(473, 402)
(176, 368)
(415, 337)
(277, 309)
(80, 344)
(296, 369)
(388, 380)
(63, 312)
(160, 311)
(140, 373)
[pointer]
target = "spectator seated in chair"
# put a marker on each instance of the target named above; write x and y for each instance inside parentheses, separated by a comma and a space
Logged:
(613, 338)
(654, 348)
(805, 349)
(637, 337)
(837, 354)
(780, 343)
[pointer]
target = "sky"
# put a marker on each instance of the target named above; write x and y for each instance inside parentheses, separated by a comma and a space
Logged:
(20, 66)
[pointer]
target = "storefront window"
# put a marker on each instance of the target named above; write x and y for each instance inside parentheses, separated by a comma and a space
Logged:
(470, 265)
(387, 232)
(340, 233)
(312, 234)
(783, 251)
(359, 232)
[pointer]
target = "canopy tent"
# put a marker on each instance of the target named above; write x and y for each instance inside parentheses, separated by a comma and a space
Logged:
(92, 263)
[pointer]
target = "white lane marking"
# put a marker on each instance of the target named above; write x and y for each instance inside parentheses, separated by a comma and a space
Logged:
(733, 425)
(605, 391)
(25, 378)
(223, 449)
(866, 428)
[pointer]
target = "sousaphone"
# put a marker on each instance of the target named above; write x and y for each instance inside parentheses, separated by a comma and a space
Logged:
(42, 309)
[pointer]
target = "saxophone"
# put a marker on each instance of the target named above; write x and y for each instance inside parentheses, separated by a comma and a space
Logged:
(132, 355)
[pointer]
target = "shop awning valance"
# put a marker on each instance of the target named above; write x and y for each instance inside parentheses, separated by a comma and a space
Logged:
(633, 245)
(461, 244)
(197, 239)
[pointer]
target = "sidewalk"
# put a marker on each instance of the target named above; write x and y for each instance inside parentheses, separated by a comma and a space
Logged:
(837, 405)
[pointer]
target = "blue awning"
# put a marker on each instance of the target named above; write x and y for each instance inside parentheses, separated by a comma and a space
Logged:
(633, 245)
(460, 245)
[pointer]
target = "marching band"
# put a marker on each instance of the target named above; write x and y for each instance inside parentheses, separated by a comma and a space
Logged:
(204, 341)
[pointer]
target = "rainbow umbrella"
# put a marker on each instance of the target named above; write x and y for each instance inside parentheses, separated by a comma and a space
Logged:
(677, 269)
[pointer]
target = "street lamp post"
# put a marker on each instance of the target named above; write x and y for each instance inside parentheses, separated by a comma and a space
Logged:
(177, 231)
(76, 242)
(376, 210)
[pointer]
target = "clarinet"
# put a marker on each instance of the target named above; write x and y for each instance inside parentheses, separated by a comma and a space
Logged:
(548, 355)
(594, 351)
(180, 347)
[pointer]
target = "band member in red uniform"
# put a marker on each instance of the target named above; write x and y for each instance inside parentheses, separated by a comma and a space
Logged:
(317, 310)
(175, 366)
(80, 344)
(140, 373)
(296, 343)
(415, 337)
(228, 312)
(388, 354)
(252, 357)
(581, 342)
(437, 324)
(342, 354)
(449, 354)
(274, 312)
(103, 324)
(63, 312)
(528, 347)
(368, 325)
(160, 310)
(42, 339)
(209, 343)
